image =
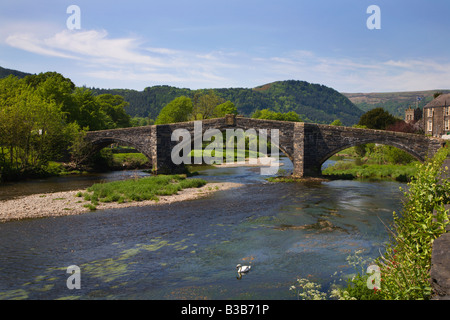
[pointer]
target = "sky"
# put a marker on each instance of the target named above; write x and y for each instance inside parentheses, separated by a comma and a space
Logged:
(231, 44)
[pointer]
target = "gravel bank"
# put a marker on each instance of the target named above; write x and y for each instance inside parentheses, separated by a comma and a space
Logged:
(66, 203)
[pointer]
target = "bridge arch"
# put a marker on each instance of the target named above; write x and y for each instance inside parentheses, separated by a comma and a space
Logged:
(320, 142)
(103, 143)
(266, 134)
(402, 147)
(139, 138)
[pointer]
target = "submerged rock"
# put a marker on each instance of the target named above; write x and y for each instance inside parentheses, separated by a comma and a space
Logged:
(321, 226)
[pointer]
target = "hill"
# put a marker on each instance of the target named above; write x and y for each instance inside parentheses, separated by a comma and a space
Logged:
(394, 102)
(6, 72)
(313, 102)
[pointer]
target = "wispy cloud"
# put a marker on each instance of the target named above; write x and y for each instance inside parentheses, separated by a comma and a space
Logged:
(101, 57)
(359, 74)
(129, 58)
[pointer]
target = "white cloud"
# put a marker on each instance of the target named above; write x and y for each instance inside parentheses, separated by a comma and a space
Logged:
(359, 74)
(101, 57)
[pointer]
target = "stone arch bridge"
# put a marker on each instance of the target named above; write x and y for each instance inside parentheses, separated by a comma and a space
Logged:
(307, 145)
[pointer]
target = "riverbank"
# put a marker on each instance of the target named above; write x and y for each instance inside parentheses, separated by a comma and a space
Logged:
(350, 170)
(67, 203)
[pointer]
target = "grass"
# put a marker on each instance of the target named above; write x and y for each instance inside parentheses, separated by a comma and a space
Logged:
(148, 188)
(352, 170)
(129, 160)
(246, 154)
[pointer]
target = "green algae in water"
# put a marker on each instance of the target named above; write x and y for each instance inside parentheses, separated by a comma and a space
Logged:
(18, 294)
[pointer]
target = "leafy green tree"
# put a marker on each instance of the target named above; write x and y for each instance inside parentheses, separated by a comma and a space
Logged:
(141, 121)
(205, 105)
(179, 110)
(272, 115)
(114, 106)
(377, 118)
(291, 116)
(32, 128)
(88, 112)
(337, 123)
(225, 108)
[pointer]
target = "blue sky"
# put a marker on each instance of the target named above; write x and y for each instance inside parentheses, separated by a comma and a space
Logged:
(220, 44)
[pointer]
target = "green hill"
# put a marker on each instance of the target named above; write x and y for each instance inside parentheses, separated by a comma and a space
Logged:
(6, 72)
(313, 102)
(394, 102)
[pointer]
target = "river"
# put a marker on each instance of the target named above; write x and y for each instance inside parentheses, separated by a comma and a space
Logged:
(190, 250)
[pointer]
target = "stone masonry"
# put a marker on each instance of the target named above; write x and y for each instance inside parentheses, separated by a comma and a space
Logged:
(307, 145)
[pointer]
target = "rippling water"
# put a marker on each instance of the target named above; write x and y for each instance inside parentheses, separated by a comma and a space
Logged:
(190, 250)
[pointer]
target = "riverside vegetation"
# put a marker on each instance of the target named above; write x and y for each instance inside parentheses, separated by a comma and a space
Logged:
(406, 261)
(148, 188)
(376, 162)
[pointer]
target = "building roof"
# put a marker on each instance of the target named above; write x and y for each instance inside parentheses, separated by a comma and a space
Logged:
(442, 101)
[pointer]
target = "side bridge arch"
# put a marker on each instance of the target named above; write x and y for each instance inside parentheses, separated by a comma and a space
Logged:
(320, 142)
(141, 138)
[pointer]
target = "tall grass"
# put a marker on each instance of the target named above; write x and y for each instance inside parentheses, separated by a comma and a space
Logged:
(353, 170)
(148, 188)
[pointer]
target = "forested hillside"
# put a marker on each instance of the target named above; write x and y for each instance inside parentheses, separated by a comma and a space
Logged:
(313, 102)
(6, 72)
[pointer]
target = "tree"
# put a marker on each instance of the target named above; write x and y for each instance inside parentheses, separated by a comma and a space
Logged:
(377, 118)
(437, 94)
(87, 112)
(32, 127)
(114, 107)
(225, 108)
(178, 110)
(402, 126)
(205, 105)
(272, 115)
(337, 123)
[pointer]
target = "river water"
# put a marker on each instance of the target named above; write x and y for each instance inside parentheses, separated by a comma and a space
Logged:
(190, 250)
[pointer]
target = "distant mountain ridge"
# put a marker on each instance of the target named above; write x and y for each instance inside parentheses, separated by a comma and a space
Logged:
(394, 102)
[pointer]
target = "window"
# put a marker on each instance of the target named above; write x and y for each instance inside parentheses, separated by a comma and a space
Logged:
(430, 112)
(430, 125)
(447, 125)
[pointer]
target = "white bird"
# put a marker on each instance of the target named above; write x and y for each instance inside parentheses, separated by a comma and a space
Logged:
(243, 269)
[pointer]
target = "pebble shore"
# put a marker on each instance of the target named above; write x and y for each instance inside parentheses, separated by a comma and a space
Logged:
(67, 203)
